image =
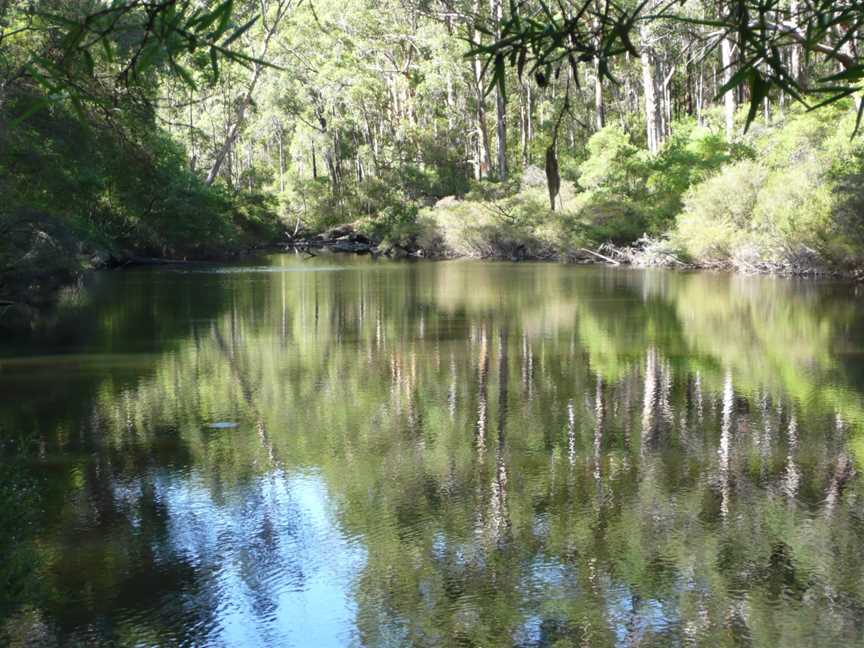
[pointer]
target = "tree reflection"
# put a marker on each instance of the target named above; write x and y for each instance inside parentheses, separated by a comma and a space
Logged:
(484, 454)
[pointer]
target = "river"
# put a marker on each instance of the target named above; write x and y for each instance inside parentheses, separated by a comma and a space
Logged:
(338, 451)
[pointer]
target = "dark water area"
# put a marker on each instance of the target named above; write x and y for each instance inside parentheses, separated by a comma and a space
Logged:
(346, 452)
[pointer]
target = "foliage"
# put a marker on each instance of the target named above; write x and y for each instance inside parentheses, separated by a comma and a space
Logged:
(503, 228)
(544, 37)
(719, 211)
(133, 38)
(692, 155)
(183, 128)
(790, 206)
(78, 188)
(614, 165)
(629, 193)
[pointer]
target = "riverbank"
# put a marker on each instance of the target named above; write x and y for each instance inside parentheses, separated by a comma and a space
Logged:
(785, 198)
(35, 286)
(24, 299)
(644, 253)
(83, 191)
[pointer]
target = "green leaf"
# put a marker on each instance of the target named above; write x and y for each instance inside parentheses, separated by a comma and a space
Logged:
(520, 62)
(89, 64)
(852, 74)
(759, 89)
(224, 12)
(148, 56)
(33, 108)
(833, 98)
(214, 63)
(239, 32)
(500, 74)
(107, 49)
(184, 74)
(742, 75)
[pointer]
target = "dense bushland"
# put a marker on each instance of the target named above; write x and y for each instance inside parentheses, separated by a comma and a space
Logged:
(787, 197)
(188, 129)
(797, 204)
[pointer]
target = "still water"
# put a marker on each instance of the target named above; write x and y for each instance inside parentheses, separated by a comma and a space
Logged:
(343, 452)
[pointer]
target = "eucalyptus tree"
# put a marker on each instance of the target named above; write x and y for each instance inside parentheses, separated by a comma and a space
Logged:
(272, 13)
(539, 38)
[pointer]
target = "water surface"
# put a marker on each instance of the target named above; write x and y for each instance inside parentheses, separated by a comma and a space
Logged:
(343, 452)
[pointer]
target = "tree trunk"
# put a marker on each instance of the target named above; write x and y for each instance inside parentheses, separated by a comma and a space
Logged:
(236, 126)
(501, 108)
(331, 158)
(450, 107)
(652, 121)
(482, 165)
(482, 132)
(728, 98)
(599, 109)
(523, 125)
(281, 159)
(795, 53)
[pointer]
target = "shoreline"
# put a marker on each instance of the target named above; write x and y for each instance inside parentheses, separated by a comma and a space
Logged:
(39, 291)
(606, 254)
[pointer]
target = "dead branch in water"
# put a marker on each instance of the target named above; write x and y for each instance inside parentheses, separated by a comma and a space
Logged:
(600, 256)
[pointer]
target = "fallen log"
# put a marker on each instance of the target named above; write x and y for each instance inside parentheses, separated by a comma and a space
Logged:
(601, 256)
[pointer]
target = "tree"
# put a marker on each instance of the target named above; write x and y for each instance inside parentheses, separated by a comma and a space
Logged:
(272, 14)
(87, 54)
(542, 38)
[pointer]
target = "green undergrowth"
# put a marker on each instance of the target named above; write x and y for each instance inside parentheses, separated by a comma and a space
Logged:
(797, 204)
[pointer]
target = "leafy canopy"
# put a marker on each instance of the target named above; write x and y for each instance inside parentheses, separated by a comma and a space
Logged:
(539, 37)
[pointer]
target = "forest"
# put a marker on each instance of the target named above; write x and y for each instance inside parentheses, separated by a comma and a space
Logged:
(711, 134)
(432, 323)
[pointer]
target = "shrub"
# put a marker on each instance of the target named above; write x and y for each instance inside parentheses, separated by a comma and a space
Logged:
(720, 211)
(119, 187)
(498, 229)
(798, 207)
(313, 203)
(614, 165)
(690, 156)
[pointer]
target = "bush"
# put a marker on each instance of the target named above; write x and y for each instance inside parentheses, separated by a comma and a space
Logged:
(797, 207)
(611, 220)
(312, 202)
(690, 156)
(123, 188)
(393, 226)
(614, 165)
(718, 212)
(499, 229)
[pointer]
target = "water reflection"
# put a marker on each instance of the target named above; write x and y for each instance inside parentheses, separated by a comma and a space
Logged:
(435, 454)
